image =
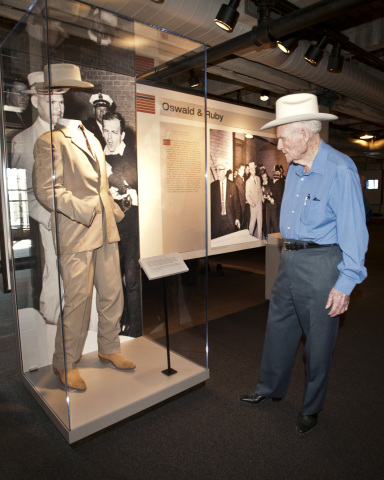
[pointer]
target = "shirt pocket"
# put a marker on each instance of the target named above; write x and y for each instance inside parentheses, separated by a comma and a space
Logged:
(311, 213)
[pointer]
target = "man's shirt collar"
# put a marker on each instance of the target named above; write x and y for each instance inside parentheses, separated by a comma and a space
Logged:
(119, 151)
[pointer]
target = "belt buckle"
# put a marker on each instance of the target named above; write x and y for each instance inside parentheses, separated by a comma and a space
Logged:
(288, 246)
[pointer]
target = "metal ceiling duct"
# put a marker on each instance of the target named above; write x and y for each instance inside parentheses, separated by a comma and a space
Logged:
(352, 81)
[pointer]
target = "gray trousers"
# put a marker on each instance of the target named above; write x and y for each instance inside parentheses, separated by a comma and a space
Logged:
(297, 306)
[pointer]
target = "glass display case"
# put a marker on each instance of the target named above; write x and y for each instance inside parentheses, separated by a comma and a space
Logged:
(83, 209)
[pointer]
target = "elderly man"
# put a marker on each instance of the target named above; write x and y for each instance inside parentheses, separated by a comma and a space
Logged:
(325, 238)
(49, 109)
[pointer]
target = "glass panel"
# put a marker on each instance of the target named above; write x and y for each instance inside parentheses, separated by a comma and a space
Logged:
(27, 114)
(153, 182)
(171, 147)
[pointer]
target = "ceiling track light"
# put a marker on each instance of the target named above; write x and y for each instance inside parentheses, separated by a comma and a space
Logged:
(366, 136)
(193, 80)
(264, 96)
(228, 15)
(335, 60)
(288, 43)
(315, 52)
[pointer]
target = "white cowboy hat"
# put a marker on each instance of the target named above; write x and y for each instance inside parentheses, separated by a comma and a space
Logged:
(220, 162)
(296, 108)
(62, 75)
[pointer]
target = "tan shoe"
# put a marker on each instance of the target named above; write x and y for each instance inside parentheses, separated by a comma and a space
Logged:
(74, 380)
(118, 360)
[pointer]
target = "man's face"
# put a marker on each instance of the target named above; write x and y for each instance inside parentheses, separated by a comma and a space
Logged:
(57, 107)
(291, 142)
(252, 169)
(220, 172)
(100, 111)
(112, 134)
(241, 171)
(16, 97)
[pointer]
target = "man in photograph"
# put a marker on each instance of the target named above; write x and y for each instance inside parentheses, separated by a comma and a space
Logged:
(277, 188)
(49, 107)
(16, 104)
(254, 196)
(225, 203)
(240, 184)
(122, 176)
(101, 105)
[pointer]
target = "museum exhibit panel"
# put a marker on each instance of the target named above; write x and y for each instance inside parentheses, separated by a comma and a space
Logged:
(104, 209)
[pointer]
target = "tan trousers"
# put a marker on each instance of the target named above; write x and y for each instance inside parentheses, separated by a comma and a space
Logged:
(80, 271)
(49, 296)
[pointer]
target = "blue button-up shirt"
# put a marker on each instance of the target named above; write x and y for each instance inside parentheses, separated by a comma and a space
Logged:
(325, 205)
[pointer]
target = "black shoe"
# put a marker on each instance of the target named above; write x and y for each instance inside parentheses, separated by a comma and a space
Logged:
(255, 399)
(305, 423)
(124, 330)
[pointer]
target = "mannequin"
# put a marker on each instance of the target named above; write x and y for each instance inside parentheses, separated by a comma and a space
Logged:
(87, 244)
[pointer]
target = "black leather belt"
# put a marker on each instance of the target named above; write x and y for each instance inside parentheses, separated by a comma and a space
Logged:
(300, 245)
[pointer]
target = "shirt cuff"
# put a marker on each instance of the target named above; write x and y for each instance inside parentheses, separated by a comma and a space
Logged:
(344, 285)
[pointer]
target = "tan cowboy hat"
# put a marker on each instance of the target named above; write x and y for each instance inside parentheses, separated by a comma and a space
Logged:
(35, 78)
(296, 108)
(62, 75)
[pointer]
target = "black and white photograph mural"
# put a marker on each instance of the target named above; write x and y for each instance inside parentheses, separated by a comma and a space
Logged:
(106, 109)
(247, 175)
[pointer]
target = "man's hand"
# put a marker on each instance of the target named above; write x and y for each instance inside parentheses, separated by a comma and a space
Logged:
(338, 301)
(237, 223)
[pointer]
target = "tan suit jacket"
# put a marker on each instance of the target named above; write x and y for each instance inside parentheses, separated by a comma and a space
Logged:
(81, 190)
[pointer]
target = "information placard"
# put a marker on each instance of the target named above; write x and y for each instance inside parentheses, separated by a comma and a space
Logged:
(163, 265)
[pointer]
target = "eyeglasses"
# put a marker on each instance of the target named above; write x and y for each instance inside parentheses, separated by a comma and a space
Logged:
(220, 169)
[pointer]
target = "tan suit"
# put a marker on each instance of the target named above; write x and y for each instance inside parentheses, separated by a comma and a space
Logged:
(87, 238)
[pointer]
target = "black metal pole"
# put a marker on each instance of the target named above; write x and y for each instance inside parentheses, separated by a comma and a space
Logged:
(168, 371)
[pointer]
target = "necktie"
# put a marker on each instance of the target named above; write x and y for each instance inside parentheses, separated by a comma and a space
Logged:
(96, 165)
(223, 212)
(81, 126)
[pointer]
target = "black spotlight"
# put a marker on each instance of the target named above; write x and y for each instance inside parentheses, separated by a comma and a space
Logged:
(336, 60)
(193, 80)
(228, 15)
(287, 44)
(315, 52)
(264, 96)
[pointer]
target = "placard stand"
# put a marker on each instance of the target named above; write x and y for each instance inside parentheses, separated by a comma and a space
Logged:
(163, 266)
(168, 371)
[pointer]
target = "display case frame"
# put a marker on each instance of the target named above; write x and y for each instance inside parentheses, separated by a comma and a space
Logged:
(111, 52)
